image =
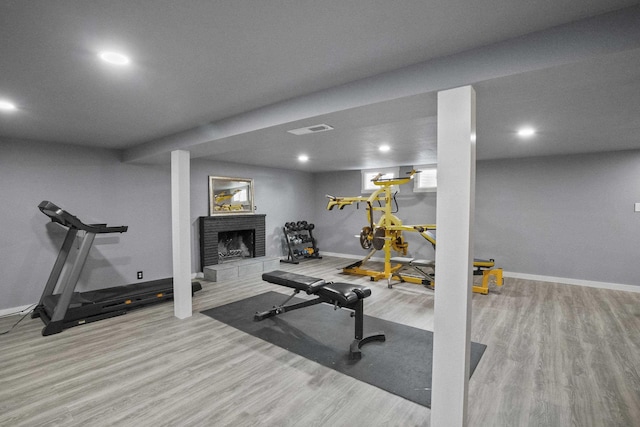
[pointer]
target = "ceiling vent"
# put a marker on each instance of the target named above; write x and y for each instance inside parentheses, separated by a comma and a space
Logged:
(311, 129)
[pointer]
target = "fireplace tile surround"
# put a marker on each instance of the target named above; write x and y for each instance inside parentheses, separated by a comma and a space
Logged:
(210, 226)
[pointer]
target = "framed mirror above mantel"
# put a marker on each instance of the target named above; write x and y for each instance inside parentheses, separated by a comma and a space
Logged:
(228, 196)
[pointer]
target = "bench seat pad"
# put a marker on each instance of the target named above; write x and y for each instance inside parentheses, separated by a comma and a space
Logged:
(344, 294)
(296, 281)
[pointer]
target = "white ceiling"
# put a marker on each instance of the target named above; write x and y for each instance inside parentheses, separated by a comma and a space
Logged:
(199, 63)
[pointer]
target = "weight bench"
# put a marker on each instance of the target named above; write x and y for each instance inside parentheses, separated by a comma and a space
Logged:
(416, 265)
(340, 295)
(484, 267)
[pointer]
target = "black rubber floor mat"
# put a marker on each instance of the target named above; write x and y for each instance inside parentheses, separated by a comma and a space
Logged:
(401, 365)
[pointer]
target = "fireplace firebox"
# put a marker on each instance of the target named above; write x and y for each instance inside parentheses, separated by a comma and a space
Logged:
(231, 237)
(235, 244)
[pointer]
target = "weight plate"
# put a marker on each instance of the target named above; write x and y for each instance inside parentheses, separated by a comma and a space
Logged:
(366, 237)
(378, 238)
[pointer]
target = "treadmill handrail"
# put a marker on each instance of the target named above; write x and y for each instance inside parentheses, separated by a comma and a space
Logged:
(64, 218)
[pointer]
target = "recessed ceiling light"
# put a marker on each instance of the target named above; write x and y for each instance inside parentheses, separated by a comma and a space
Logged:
(6, 105)
(526, 132)
(303, 157)
(384, 148)
(114, 58)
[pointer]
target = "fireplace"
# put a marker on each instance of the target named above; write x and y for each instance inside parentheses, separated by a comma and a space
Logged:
(225, 238)
(236, 244)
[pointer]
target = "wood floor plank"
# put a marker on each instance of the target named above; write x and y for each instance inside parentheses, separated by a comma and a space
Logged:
(556, 355)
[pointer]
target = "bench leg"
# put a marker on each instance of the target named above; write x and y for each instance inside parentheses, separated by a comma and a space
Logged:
(360, 339)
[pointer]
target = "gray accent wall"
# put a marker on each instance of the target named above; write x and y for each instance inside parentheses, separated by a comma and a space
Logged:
(97, 187)
(566, 216)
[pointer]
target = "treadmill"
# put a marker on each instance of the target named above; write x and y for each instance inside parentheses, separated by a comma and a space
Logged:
(70, 308)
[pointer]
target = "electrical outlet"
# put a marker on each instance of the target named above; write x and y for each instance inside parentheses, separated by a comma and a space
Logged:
(139, 274)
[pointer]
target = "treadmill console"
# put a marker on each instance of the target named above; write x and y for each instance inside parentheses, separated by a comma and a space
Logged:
(64, 218)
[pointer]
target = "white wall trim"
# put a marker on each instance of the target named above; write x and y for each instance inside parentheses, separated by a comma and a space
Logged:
(348, 256)
(577, 282)
(18, 311)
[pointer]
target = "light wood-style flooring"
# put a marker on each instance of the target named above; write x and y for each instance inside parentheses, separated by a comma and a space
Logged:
(557, 355)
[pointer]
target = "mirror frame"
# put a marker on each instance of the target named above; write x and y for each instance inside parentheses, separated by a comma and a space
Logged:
(222, 183)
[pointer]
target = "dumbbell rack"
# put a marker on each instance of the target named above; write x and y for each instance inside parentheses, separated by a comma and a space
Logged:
(300, 242)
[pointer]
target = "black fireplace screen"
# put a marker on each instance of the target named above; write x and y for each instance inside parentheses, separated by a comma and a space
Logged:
(236, 244)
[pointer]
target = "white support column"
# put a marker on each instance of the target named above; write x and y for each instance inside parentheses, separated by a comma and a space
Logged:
(454, 256)
(181, 232)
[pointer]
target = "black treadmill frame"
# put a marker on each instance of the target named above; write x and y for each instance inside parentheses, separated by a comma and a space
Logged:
(70, 308)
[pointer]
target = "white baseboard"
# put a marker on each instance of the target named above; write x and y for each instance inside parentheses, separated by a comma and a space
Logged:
(515, 275)
(18, 311)
(349, 256)
(577, 282)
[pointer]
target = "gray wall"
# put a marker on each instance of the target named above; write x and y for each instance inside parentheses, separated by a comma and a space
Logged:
(96, 186)
(564, 216)
(567, 216)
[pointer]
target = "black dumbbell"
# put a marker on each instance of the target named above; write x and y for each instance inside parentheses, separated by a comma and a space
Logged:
(310, 227)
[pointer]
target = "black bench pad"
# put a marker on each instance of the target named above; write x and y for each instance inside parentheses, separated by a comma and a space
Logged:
(343, 294)
(296, 281)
